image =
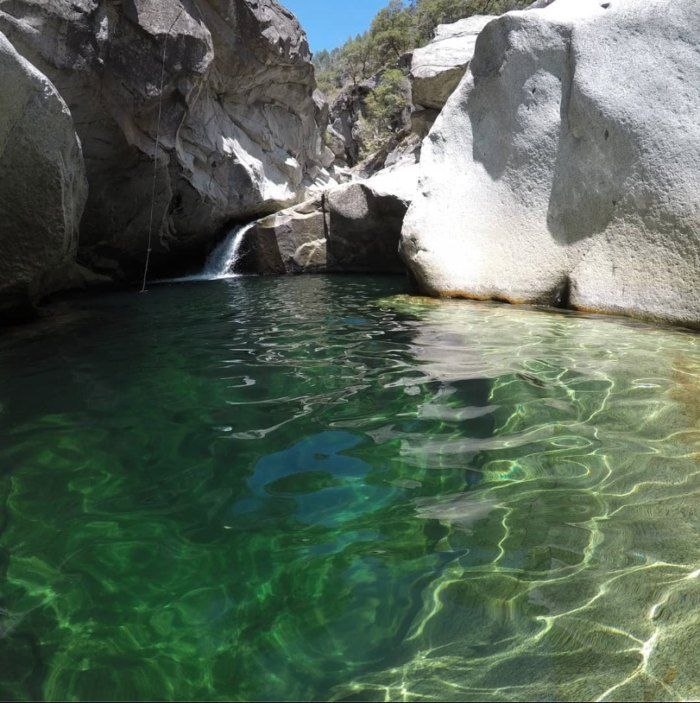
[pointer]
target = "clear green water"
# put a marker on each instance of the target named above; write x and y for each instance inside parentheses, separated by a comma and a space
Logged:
(311, 488)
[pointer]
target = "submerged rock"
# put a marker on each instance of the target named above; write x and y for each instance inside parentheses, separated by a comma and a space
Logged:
(565, 169)
(42, 185)
(238, 131)
(351, 228)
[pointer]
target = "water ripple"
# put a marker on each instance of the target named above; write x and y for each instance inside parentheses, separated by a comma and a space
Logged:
(309, 488)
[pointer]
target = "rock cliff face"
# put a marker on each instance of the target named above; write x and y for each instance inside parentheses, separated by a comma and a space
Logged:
(42, 183)
(438, 67)
(566, 167)
(352, 228)
(346, 135)
(345, 112)
(232, 83)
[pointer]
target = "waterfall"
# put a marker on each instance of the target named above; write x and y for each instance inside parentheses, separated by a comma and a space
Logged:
(223, 260)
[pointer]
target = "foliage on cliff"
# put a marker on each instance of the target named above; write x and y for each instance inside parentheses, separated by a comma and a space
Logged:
(401, 26)
(384, 104)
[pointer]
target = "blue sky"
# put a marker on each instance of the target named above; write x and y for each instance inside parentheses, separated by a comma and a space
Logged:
(329, 23)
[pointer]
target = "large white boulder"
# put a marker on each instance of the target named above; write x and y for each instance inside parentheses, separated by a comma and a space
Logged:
(42, 184)
(437, 68)
(565, 169)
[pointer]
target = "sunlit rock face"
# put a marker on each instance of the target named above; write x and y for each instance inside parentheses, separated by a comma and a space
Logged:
(225, 87)
(354, 227)
(566, 166)
(42, 184)
(438, 67)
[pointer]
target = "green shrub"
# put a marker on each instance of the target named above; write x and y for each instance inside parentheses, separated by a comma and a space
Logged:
(385, 104)
(393, 31)
(398, 28)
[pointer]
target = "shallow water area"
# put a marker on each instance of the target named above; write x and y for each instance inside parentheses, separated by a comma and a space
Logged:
(317, 487)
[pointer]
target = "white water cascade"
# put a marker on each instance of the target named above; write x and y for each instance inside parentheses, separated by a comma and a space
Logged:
(222, 261)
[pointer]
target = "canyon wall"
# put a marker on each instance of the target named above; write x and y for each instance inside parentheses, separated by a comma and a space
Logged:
(218, 93)
(42, 185)
(565, 168)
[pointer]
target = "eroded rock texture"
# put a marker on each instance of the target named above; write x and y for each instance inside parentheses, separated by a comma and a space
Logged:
(42, 184)
(438, 67)
(239, 132)
(354, 227)
(566, 167)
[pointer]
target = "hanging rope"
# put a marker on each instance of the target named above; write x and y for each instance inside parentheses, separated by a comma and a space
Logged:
(155, 157)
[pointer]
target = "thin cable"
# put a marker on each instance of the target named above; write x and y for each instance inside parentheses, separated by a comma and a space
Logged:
(155, 157)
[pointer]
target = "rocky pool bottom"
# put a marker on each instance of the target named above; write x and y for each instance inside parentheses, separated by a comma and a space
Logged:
(316, 488)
